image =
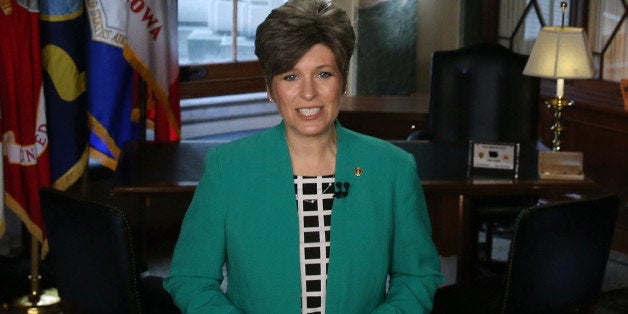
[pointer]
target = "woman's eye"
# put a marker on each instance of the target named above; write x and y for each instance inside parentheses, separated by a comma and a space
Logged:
(324, 74)
(290, 77)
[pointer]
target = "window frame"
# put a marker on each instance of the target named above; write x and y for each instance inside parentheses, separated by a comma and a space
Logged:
(219, 79)
(225, 78)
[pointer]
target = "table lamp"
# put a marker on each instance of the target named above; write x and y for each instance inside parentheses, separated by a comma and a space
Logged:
(560, 53)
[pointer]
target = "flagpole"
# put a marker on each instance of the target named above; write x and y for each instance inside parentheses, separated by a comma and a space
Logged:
(35, 294)
(143, 103)
(38, 301)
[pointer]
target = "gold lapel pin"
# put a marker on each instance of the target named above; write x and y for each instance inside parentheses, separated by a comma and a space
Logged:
(357, 171)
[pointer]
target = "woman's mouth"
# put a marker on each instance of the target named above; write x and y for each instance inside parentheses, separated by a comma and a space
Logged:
(309, 112)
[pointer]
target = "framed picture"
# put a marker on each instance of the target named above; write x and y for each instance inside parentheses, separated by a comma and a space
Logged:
(493, 159)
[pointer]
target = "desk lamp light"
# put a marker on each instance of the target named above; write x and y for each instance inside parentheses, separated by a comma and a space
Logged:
(560, 53)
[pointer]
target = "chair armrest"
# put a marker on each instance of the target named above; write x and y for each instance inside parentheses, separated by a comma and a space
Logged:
(418, 135)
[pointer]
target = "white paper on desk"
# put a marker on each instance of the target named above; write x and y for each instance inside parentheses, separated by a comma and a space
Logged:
(494, 156)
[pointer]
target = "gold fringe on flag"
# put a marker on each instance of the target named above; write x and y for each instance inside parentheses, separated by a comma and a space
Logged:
(6, 6)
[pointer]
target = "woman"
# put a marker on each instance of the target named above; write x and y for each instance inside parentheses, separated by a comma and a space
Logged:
(359, 215)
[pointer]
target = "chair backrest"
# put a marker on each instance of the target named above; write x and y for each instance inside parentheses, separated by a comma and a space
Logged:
(92, 252)
(558, 255)
(479, 93)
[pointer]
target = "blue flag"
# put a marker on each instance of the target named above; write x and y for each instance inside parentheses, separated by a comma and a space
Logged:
(110, 84)
(63, 29)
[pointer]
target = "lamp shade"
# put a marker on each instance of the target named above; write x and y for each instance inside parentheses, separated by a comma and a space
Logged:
(561, 53)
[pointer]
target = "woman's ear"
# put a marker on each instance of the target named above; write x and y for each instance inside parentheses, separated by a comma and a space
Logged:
(269, 94)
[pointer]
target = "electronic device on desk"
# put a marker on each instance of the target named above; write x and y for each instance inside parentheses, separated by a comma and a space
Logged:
(561, 165)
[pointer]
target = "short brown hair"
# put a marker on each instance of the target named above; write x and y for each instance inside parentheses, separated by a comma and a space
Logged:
(290, 30)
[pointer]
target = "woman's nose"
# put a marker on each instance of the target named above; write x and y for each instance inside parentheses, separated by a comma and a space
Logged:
(308, 89)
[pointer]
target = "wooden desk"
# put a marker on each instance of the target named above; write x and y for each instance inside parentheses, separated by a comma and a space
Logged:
(147, 169)
(449, 192)
(387, 117)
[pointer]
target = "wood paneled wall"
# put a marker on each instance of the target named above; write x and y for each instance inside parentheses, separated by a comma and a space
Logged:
(597, 126)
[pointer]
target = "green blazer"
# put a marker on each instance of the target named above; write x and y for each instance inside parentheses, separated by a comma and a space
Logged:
(244, 213)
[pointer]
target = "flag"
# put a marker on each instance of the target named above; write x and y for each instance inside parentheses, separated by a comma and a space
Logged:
(3, 222)
(25, 139)
(128, 36)
(109, 82)
(151, 51)
(64, 31)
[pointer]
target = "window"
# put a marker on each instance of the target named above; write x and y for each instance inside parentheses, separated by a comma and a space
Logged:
(608, 31)
(207, 28)
(216, 46)
(222, 88)
(521, 21)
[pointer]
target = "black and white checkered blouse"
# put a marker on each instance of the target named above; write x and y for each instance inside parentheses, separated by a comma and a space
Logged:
(315, 196)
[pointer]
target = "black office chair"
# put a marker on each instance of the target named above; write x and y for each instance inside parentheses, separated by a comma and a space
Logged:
(479, 93)
(94, 261)
(556, 262)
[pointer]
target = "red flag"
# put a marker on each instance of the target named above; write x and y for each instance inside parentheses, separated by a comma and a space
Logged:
(23, 124)
(151, 49)
(163, 118)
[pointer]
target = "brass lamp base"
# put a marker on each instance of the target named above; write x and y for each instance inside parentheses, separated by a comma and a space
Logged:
(558, 104)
